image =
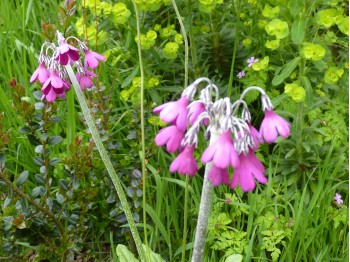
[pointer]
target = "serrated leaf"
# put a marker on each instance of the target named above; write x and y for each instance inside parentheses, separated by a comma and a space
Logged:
(124, 254)
(298, 29)
(22, 178)
(287, 70)
(54, 140)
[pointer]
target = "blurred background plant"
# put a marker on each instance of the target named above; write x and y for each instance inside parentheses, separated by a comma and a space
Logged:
(46, 153)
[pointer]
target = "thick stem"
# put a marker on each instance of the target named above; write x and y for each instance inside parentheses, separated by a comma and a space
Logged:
(204, 209)
(106, 160)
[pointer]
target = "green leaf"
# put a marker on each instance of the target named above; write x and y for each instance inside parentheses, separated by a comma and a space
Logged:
(54, 140)
(22, 178)
(6, 202)
(39, 190)
(24, 130)
(2, 158)
(124, 254)
(128, 80)
(234, 258)
(287, 70)
(296, 7)
(298, 29)
(40, 178)
(308, 89)
(158, 223)
(54, 161)
(154, 257)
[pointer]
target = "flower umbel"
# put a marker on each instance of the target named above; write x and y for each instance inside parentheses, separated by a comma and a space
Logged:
(51, 71)
(234, 139)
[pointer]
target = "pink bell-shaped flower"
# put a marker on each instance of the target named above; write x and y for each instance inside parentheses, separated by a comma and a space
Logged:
(194, 111)
(185, 163)
(85, 79)
(53, 86)
(67, 52)
(170, 136)
(174, 112)
(222, 152)
(91, 59)
(218, 176)
(272, 126)
(41, 74)
(250, 168)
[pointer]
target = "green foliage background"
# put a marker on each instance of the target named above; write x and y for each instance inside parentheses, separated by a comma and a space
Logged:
(47, 153)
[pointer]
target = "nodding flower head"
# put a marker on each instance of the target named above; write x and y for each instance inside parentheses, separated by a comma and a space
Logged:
(52, 73)
(222, 152)
(185, 163)
(272, 126)
(174, 112)
(250, 168)
(92, 58)
(233, 139)
(170, 136)
(41, 74)
(54, 86)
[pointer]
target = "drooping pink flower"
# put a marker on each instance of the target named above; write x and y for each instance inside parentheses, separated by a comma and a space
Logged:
(85, 79)
(185, 163)
(54, 86)
(250, 168)
(241, 74)
(174, 112)
(251, 61)
(194, 111)
(272, 126)
(218, 176)
(337, 199)
(41, 74)
(66, 52)
(170, 136)
(222, 152)
(91, 59)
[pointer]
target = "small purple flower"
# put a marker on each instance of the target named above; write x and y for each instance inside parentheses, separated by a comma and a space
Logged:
(222, 152)
(185, 163)
(41, 74)
(65, 52)
(194, 110)
(54, 86)
(241, 74)
(170, 136)
(250, 167)
(85, 79)
(272, 126)
(337, 199)
(174, 112)
(219, 176)
(251, 61)
(91, 59)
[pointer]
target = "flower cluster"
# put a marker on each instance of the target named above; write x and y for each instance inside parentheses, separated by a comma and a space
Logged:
(51, 71)
(233, 139)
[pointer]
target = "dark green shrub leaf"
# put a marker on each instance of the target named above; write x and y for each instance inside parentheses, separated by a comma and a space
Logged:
(40, 179)
(39, 190)
(43, 169)
(298, 29)
(38, 95)
(55, 119)
(39, 105)
(64, 184)
(54, 140)
(22, 178)
(287, 70)
(38, 161)
(54, 161)
(39, 149)
(2, 158)
(6, 202)
(60, 198)
(33, 140)
(24, 130)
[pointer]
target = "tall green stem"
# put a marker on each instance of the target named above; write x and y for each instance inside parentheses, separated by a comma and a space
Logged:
(184, 35)
(235, 44)
(106, 160)
(143, 150)
(204, 208)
